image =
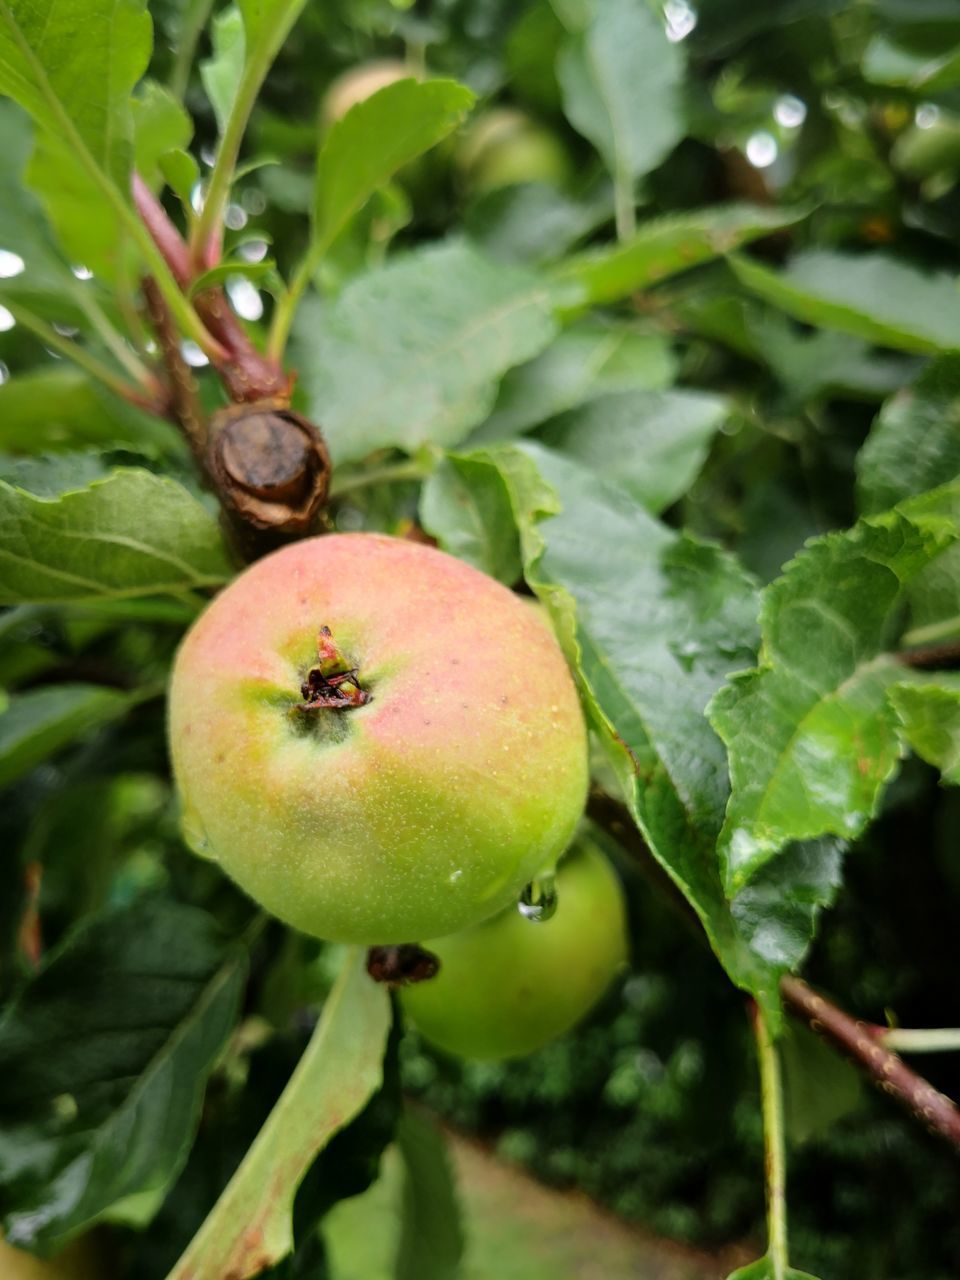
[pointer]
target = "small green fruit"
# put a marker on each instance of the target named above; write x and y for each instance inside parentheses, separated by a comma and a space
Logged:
(504, 146)
(400, 777)
(509, 985)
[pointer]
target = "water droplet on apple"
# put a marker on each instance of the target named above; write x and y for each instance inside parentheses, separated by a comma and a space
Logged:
(538, 901)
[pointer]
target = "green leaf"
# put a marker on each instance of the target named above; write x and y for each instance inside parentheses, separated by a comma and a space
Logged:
(48, 476)
(930, 715)
(431, 1232)
(181, 173)
(811, 735)
(588, 358)
(23, 228)
(872, 296)
(131, 534)
(365, 148)
(778, 911)
(59, 407)
(137, 1005)
(251, 1225)
(530, 223)
(72, 64)
(267, 24)
(651, 444)
(767, 1269)
(664, 247)
(410, 354)
(887, 61)
(810, 365)
(652, 622)
(37, 724)
(232, 268)
(914, 444)
(819, 1086)
(620, 78)
(221, 73)
(465, 505)
(160, 125)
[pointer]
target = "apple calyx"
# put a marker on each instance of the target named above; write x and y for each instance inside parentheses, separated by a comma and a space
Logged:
(338, 689)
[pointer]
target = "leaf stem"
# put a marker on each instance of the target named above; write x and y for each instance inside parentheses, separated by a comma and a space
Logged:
(625, 211)
(286, 307)
(920, 1040)
(775, 1157)
(947, 629)
(393, 473)
(194, 20)
(80, 356)
(259, 58)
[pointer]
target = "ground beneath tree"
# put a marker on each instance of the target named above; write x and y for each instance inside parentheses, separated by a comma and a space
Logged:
(517, 1229)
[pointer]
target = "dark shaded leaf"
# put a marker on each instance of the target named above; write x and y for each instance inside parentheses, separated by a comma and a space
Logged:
(39, 723)
(104, 1059)
(251, 1225)
(431, 1232)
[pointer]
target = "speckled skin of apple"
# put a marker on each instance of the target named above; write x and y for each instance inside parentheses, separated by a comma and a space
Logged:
(509, 986)
(425, 810)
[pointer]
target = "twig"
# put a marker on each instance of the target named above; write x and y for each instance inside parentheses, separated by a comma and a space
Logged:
(164, 234)
(184, 400)
(860, 1042)
(935, 655)
(246, 373)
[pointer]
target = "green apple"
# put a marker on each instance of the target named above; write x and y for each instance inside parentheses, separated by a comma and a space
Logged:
(503, 146)
(411, 798)
(80, 1260)
(509, 985)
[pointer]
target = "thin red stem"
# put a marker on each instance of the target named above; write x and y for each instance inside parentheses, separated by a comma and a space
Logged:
(247, 373)
(859, 1041)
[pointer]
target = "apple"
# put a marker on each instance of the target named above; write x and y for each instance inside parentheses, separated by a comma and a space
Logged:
(509, 985)
(378, 742)
(80, 1260)
(503, 146)
(359, 83)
